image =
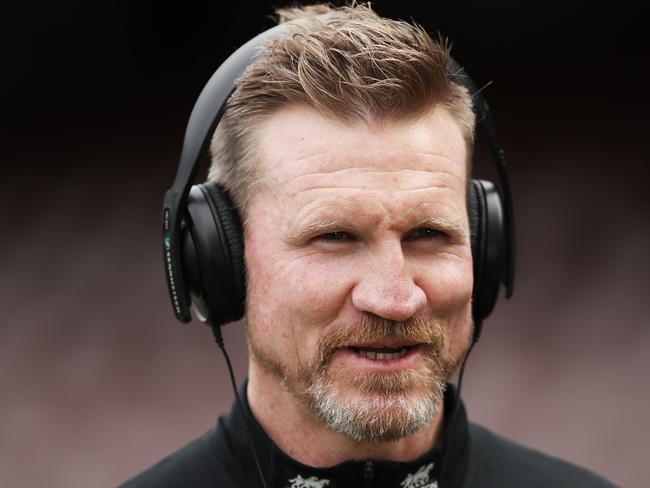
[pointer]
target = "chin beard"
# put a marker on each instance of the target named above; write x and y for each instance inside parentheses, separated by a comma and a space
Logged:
(378, 407)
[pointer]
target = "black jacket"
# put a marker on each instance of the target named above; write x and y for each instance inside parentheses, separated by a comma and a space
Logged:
(222, 458)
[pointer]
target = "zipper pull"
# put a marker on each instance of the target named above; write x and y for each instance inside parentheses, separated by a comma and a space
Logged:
(369, 471)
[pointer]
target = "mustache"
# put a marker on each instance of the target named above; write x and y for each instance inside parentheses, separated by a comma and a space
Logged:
(416, 330)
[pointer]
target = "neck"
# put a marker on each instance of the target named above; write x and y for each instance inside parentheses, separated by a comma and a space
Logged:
(305, 438)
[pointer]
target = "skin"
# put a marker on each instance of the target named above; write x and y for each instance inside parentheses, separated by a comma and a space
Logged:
(353, 220)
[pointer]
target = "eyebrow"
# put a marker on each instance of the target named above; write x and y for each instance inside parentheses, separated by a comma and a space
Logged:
(455, 230)
(317, 227)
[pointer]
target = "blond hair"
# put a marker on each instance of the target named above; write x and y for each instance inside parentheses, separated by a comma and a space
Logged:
(348, 64)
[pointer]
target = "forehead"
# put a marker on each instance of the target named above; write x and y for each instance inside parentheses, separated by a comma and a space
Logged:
(312, 160)
(291, 136)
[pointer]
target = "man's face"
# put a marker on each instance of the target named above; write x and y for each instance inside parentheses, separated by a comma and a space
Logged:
(359, 267)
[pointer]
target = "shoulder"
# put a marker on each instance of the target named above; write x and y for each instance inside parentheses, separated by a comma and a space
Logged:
(200, 463)
(498, 462)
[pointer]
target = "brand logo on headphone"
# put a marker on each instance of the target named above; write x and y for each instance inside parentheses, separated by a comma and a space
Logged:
(167, 241)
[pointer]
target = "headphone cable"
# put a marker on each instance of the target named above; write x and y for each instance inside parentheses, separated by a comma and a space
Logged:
(216, 332)
(452, 424)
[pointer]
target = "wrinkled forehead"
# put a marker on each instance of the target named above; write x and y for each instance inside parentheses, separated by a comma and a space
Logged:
(297, 142)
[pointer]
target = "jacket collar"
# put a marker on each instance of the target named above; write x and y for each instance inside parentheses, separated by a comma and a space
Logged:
(280, 470)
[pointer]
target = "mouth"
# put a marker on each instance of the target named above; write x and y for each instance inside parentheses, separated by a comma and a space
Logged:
(383, 351)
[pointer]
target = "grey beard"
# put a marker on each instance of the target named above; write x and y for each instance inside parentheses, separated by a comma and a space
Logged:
(375, 416)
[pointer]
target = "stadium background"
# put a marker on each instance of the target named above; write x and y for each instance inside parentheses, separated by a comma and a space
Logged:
(98, 380)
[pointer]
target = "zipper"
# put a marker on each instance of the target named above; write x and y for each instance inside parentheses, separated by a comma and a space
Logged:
(368, 473)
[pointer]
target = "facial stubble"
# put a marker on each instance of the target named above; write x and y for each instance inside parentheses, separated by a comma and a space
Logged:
(373, 407)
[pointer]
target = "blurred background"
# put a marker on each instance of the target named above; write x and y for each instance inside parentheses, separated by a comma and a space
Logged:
(98, 380)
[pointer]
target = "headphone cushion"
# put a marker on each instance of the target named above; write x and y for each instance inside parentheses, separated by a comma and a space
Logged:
(227, 218)
(476, 212)
(474, 217)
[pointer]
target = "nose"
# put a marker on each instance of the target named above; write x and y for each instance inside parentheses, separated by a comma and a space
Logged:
(387, 286)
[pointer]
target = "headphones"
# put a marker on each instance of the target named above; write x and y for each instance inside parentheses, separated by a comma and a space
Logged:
(203, 245)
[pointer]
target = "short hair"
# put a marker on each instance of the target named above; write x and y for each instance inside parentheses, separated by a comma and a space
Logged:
(348, 64)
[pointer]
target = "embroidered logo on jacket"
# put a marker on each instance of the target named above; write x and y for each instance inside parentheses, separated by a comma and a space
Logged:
(311, 482)
(421, 479)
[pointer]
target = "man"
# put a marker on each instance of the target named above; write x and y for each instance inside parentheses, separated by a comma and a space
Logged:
(347, 149)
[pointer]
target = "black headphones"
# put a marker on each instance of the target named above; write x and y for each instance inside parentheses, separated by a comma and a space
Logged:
(202, 238)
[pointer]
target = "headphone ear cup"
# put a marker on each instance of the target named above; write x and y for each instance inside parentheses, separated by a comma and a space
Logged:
(213, 255)
(487, 235)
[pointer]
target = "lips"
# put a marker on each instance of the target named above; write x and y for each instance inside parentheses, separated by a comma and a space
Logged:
(382, 352)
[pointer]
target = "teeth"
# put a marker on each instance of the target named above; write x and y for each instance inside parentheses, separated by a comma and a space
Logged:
(386, 356)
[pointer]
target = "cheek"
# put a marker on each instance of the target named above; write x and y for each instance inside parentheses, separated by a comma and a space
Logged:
(291, 298)
(448, 286)
(300, 288)
(459, 330)
(321, 287)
